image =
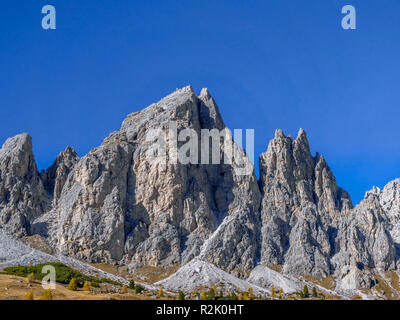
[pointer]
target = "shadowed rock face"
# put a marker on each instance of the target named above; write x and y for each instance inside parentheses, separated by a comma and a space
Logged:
(55, 177)
(115, 206)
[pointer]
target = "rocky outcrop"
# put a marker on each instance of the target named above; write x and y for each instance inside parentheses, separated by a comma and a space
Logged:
(115, 205)
(367, 238)
(22, 195)
(55, 177)
(126, 202)
(389, 200)
(300, 208)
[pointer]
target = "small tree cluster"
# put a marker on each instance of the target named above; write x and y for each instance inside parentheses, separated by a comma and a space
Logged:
(138, 289)
(245, 296)
(233, 296)
(131, 285)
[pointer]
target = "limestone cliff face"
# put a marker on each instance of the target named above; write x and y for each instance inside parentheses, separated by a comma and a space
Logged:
(55, 177)
(22, 195)
(301, 207)
(114, 205)
(364, 240)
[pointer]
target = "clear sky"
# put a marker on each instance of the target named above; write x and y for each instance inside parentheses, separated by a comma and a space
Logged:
(269, 64)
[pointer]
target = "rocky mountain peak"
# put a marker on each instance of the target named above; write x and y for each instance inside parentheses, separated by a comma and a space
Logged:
(22, 195)
(113, 205)
(55, 177)
(16, 154)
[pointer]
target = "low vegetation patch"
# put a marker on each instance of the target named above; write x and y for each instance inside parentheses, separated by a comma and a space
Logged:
(64, 274)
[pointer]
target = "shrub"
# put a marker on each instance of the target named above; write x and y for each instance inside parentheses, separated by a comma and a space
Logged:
(29, 295)
(245, 296)
(305, 291)
(73, 285)
(160, 292)
(273, 293)
(251, 294)
(211, 294)
(233, 296)
(214, 288)
(139, 289)
(131, 284)
(181, 295)
(31, 277)
(124, 289)
(86, 286)
(64, 274)
(109, 281)
(314, 292)
(47, 295)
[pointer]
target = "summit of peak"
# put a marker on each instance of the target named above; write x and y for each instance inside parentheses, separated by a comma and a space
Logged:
(185, 90)
(205, 94)
(301, 134)
(279, 133)
(69, 150)
(21, 141)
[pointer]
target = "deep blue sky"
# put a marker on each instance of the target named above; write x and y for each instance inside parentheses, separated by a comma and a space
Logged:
(269, 64)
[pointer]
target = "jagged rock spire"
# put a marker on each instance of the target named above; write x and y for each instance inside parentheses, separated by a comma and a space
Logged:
(22, 196)
(55, 177)
(294, 183)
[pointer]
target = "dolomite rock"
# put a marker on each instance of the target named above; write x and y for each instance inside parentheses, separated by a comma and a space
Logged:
(389, 199)
(22, 195)
(118, 207)
(364, 240)
(300, 208)
(55, 177)
(114, 205)
(198, 274)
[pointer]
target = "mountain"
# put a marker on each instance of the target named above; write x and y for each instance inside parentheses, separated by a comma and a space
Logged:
(115, 206)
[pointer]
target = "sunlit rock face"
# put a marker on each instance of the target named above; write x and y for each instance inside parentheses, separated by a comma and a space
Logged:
(301, 207)
(22, 195)
(117, 205)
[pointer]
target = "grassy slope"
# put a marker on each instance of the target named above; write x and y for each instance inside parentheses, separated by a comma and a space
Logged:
(18, 288)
